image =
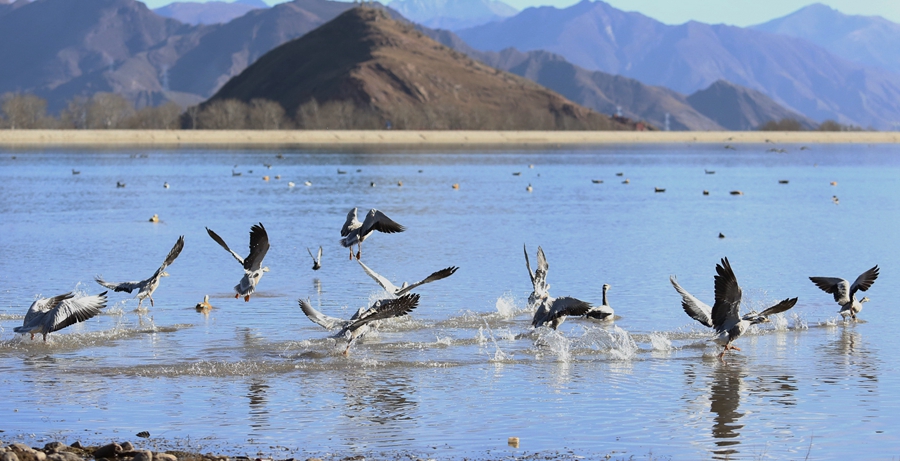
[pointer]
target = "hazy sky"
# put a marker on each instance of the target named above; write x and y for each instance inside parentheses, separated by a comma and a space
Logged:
(736, 12)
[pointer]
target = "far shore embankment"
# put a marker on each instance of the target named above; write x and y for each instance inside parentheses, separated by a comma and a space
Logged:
(461, 139)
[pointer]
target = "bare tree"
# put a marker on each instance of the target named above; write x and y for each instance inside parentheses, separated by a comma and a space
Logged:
(266, 115)
(164, 117)
(74, 116)
(25, 111)
(228, 114)
(108, 111)
(307, 116)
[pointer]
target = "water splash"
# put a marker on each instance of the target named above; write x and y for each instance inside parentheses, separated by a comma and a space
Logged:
(553, 342)
(506, 306)
(659, 342)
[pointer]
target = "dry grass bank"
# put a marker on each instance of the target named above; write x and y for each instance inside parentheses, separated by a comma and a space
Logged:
(214, 138)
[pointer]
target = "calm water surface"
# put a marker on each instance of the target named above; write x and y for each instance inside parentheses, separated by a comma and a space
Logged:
(464, 371)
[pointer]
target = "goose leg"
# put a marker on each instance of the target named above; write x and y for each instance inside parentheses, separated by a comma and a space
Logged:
(359, 251)
(151, 301)
(237, 295)
(32, 336)
(351, 253)
(247, 298)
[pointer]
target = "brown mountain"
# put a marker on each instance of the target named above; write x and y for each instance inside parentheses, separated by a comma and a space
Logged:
(377, 64)
(739, 108)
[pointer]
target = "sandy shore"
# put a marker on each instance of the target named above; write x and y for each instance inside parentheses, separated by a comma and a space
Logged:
(209, 138)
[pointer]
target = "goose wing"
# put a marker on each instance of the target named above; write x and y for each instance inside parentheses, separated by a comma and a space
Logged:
(435, 276)
(259, 246)
(838, 287)
(222, 243)
(376, 220)
(726, 310)
(779, 308)
(350, 224)
(329, 323)
(692, 306)
(74, 310)
(567, 306)
(173, 253)
(528, 264)
(385, 309)
(542, 261)
(864, 281)
(42, 306)
(127, 287)
(385, 283)
(311, 255)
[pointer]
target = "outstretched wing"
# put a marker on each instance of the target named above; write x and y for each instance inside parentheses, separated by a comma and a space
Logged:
(350, 224)
(170, 258)
(567, 306)
(542, 261)
(528, 265)
(441, 274)
(692, 306)
(379, 221)
(223, 245)
(42, 306)
(838, 287)
(779, 308)
(726, 310)
(127, 287)
(387, 308)
(259, 246)
(329, 323)
(72, 311)
(864, 281)
(385, 283)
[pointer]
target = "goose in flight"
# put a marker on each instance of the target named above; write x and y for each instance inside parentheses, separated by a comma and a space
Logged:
(603, 312)
(552, 312)
(406, 287)
(362, 321)
(317, 260)
(253, 268)
(725, 316)
(541, 290)
(845, 293)
(355, 232)
(148, 286)
(47, 315)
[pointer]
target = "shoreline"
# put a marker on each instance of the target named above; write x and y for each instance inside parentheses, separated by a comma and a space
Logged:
(345, 138)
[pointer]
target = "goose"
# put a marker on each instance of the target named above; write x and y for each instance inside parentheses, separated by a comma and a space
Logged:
(406, 287)
(541, 290)
(148, 286)
(362, 321)
(317, 260)
(47, 315)
(552, 312)
(845, 293)
(725, 316)
(253, 268)
(355, 232)
(603, 312)
(203, 305)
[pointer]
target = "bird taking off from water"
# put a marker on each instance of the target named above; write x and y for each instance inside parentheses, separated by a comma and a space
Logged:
(148, 286)
(725, 316)
(845, 293)
(253, 268)
(407, 287)
(47, 315)
(363, 320)
(355, 232)
(317, 260)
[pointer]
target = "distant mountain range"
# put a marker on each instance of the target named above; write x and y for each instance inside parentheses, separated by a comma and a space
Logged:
(391, 70)
(870, 40)
(794, 72)
(452, 14)
(214, 12)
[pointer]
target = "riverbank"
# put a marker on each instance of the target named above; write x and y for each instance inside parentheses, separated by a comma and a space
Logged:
(303, 138)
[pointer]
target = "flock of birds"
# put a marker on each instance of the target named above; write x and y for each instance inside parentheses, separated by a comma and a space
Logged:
(46, 315)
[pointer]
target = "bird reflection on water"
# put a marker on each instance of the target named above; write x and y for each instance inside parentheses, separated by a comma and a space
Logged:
(378, 402)
(724, 402)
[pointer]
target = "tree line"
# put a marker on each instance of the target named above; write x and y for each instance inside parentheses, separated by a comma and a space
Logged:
(789, 124)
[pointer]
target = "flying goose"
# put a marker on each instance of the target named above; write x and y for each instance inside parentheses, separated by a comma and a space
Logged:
(362, 321)
(355, 232)
(552, 312)
(47, 315)
(725, 316)
(148, 286)
(253, 269)
(406, 287)
(845, 293)
(541, 290)
(317, 260)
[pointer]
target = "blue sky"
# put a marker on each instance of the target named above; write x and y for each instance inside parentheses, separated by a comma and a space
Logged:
(735, 12)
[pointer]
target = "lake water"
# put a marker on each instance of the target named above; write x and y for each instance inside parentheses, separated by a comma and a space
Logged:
(461, 374)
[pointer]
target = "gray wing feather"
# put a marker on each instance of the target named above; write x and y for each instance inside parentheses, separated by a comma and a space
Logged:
(864, 281)
(74, 310)
(838, 287)
(224, 245)
(528, 265)
(379, 221)
(568, 306)
(692, 306)
(435, 276)
(173, 254)
(385, 309)
(127, 287)
(779, 308)
(350, 224)
(385, 283)
(42, 306)
(259, 246)
(329, 323)
(726, 310)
